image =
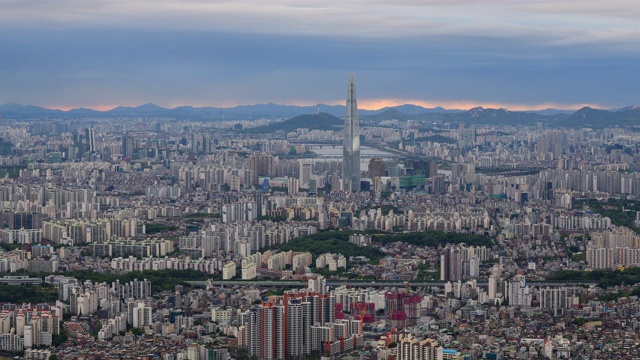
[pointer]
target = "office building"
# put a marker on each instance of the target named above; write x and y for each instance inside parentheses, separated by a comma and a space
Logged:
(376, 168)
(128, 145)
(90, 140)
(351, 140)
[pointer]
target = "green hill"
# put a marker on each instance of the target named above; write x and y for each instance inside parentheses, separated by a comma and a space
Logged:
(436, 138)
(320, 121)
(330, 241)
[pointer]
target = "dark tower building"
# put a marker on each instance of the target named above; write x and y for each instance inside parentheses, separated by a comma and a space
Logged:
(351, 141)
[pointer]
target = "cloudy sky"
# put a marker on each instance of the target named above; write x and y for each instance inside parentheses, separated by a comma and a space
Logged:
(452, 53)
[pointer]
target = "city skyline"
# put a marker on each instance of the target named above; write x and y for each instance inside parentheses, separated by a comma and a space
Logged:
(179, 238)
(205, 189)
(459, 54)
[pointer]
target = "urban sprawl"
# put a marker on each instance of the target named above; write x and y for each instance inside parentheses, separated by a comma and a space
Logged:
(156, 238)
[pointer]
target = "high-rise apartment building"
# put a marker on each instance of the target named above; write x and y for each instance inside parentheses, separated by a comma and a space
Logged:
(518, 293)
(556, 298)
(127, 147)
(286, 327)
(376, 168)
(298, 328)
(351, 139)
(451, 264)
(267, 332)
(261, 165)
(460, 261)
(410, 348)
(305, 174)
(141, 315)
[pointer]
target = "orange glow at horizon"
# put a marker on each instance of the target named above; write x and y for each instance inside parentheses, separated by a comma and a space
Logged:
(376, 104)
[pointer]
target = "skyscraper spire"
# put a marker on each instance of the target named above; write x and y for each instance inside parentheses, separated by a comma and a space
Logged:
(351, 139)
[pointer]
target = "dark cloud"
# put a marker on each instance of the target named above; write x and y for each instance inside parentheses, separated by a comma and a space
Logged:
(115, 65)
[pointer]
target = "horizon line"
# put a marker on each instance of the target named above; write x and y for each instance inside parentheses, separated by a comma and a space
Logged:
(366, 105)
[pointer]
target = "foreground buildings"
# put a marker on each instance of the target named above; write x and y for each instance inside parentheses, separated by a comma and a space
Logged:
(482, 216)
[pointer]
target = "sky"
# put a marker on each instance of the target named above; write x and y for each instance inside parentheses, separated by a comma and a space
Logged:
(459, 54)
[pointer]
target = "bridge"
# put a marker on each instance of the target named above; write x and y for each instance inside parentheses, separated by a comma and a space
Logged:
(370, 284)
(261, 283)
(322, 146)
(317, 142)
(510, 172)
(362, 156)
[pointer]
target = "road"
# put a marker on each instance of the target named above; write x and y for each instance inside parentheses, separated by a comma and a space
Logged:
(372, 284)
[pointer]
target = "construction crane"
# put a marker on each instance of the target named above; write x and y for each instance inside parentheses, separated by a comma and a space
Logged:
(362, 311)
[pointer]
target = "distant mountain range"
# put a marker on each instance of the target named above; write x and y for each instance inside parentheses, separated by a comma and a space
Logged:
(243, 112)
(585, 117)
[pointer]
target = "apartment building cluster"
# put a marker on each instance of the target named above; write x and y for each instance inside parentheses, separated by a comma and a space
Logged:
(269, 263)
(131, 263)
(241, 239)
(332, 261)
(297, 324)
(459, 262)
(619, 246)
(87, 231)
(28, 326)
(443, 221)
(127, 247)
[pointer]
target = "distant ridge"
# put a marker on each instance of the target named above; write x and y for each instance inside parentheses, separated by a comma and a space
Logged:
(585, 117)
(270, 110)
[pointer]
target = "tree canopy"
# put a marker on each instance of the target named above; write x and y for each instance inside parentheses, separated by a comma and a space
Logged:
(338, 242)
(604, 278)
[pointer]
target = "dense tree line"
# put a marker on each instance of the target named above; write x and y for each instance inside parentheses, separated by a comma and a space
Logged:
(58, 339)
(9, 247)
(436, 138)
(613, 209)
(156, 228)
(28, 293)
(335, 242)
(271, 218)
(618, 294)
(338, 242)
(580, 321)
(161, 280)
(604, 278)
(203, 215)
(434, 238)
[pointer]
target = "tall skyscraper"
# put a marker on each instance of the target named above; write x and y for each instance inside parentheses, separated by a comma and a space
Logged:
(351, 141)
(127, 147)
(206, 144)
(90, 140)
(195, 143)
(78, 145)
